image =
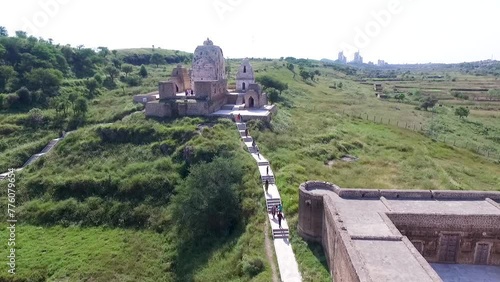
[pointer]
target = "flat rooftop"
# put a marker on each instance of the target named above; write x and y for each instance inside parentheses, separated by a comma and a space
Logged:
(385, 253)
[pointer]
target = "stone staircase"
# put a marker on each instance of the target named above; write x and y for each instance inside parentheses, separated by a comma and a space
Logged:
(286, 259)
(280, 233)
(32, 159)
(50, 146)
(272, 202)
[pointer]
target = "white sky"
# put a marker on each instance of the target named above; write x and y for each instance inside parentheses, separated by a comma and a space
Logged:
(415, 31)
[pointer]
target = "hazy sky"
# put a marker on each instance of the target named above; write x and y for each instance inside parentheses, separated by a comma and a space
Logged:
(398, 31)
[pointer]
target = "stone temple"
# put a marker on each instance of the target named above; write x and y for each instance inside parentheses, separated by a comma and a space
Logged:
(203, 90)
(403, 235)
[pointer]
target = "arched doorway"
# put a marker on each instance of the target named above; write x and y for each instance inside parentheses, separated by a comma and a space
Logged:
(243, 86)
(176, 89)
(251, 102)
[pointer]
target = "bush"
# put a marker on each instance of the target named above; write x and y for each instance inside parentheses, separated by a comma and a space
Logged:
(253, 267)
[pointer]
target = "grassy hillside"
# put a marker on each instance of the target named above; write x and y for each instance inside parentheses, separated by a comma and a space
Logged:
(103, 199)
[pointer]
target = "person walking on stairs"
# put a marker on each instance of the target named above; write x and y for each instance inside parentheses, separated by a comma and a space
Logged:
(280, 208)
(266, 185)
(267, 170)
(246, 132)
(280, 217)
(273, 211)
(239, 117)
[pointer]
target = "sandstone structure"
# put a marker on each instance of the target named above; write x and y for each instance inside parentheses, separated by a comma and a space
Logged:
(203, 90)
(393, 235)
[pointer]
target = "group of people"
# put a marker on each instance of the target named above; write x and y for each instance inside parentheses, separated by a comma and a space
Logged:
(277, 211)
(189, 92)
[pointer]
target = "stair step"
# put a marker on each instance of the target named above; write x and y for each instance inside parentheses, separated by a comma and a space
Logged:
(281, 233)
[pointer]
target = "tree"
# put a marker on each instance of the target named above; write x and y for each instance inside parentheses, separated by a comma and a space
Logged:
(157, 59)
(272, 95)
(103, 51)
(24, 96)
(47, 80)
(112, 71)
(3, 32)
(311, 75)
(430, 102)
(92, 87)
(35, 118)
(21, 34)
(291, 67)
(127, 68)
(143, 71)
(207, 201)
(80, 107)
(6, 73)
(400, 97)
(462, 112)
(304, 74)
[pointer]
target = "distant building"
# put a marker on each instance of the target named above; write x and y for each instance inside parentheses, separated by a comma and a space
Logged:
(341, 58)
(381, 63)
(378, 87)
(357, 58)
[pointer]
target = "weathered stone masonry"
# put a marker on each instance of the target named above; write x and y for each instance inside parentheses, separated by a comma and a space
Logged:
(370, 234)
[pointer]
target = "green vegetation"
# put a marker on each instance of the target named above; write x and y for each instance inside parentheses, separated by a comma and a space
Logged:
(138, 174)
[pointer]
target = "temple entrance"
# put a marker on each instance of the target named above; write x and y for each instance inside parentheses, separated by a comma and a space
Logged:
(251, 102)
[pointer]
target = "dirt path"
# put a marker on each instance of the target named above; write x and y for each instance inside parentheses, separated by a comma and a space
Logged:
(269, 252)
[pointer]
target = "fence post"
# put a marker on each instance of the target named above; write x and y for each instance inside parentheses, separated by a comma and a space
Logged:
(406, 126)
(454, 141)
(389, 122)
(374, 118)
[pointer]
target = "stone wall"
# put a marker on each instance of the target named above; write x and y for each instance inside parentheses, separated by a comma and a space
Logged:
(167, 89)
(202, 89)
(156, 109)
(319, 222)
(426, 231)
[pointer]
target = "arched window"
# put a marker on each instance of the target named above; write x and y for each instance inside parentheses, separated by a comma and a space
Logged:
(243, 86)
(244, 69)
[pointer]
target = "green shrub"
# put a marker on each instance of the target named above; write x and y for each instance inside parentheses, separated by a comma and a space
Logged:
(253, 267)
